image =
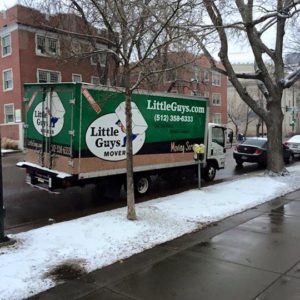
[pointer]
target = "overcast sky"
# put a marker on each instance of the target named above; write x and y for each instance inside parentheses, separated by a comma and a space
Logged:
(4, 4)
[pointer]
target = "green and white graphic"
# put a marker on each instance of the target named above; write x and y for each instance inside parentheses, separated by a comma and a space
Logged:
(60, 120)
(106, 136)
(48, 115)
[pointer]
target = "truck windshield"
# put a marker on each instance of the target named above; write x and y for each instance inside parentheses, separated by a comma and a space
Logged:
(218, 136)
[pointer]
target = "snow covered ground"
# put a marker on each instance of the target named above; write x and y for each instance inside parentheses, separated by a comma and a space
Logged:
(102, 239)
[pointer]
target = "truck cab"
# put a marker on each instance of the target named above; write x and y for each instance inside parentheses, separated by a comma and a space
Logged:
(215, 150)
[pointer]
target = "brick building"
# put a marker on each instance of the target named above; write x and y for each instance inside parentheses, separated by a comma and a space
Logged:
(33, 51)
(194, 77)
(247, 122)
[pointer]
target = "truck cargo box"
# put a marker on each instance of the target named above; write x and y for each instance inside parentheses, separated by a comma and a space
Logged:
(77, 131)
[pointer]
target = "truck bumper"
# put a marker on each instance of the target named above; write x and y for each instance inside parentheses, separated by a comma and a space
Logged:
(44, 178)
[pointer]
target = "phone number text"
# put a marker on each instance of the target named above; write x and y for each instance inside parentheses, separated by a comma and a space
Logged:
(172, 118)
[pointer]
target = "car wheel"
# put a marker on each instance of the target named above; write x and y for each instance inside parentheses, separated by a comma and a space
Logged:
(239, 163)
(142, 184)
(210, 173)
(263, 164)
(288, 159)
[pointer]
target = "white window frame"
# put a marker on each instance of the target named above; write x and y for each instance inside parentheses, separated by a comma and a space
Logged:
(218, 117)
(196, 73)
(78, 75)
(206, 94)
(102, 64)
(47, 37)
(12, 80)
(76, 47)
(48, 72)
(2, 45)
(212, 99)
(13, 112)
(205, 76)
(216, 78)
(95, 78)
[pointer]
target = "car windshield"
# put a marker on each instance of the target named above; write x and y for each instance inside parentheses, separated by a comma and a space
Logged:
(255, 142)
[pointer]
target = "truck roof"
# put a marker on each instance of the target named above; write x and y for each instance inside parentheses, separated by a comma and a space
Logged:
(119, 89)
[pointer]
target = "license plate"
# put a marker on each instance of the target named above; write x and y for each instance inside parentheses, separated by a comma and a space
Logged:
(28, 179)
(41, 180)
(244, 157)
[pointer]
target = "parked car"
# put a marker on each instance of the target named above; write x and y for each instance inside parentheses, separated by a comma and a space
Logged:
(294, 144)
(254, 150)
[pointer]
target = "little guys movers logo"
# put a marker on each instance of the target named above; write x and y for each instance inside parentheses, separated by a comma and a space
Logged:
(48, 116)
(106, 136)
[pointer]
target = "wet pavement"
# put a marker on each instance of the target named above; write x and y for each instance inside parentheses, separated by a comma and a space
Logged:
(28, 207)
(252, 255)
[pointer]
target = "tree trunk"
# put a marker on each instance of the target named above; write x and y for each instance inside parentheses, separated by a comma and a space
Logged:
(131, 214)
(275, 149)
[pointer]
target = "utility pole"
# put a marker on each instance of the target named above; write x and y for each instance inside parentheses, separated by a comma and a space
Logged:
(3, 237)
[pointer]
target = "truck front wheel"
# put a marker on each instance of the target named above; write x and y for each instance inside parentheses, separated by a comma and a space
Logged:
(142, 184)
(209, 173)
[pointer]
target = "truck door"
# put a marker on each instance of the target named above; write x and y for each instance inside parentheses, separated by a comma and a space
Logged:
(216, 144)
(49, 123)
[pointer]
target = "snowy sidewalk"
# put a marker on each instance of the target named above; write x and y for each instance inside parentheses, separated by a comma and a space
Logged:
(102, 239)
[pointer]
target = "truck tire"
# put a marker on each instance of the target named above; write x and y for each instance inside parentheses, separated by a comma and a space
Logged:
(209, 173)
(142, 184)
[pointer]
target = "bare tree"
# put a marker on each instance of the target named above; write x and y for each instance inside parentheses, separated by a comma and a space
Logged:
(139, 31)
(240, 115)
(251, 20)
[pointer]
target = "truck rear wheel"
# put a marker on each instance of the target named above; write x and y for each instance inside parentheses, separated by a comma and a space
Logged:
(210, 173)
(142, 184)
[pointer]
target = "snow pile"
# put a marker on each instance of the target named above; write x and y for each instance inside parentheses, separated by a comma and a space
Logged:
(102, 239)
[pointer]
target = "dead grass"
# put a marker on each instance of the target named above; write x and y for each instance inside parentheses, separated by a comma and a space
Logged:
(7, 143)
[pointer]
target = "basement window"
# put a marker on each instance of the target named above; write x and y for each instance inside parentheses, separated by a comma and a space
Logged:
(9, 111)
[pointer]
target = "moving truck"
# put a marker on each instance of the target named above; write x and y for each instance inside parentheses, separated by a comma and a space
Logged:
(75, 134)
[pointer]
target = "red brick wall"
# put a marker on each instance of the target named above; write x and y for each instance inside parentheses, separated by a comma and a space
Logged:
(184, 85)
(11, 62)
(24, 62)
(10, 130)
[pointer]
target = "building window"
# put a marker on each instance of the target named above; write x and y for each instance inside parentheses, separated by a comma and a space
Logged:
(216, 99)
(7, 80)
(216, 78)
(95, 80)
(75, 47)
(9, 112)
(101, 57)
(201, 94)
(76, 78)
(196, 74)
(171, 75)
(41, 44)
(46, 45)
(44, 76)
(206, 94)
(206, 76)
(6, 45)
(217, 118)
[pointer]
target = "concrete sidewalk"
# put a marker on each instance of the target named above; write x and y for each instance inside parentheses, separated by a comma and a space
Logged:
(253, 255)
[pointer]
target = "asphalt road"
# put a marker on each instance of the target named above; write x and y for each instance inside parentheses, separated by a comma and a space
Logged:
(28, 207)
